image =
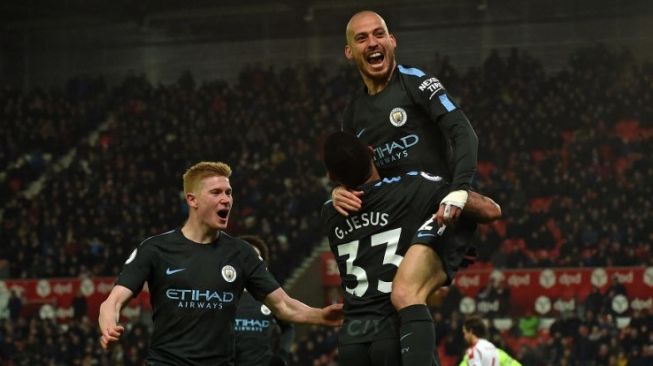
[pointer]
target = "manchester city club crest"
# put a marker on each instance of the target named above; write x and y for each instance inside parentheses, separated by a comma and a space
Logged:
(229, 273)
(398, 117)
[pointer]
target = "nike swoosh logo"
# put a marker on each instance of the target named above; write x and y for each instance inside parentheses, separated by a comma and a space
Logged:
(404, 336)
(173, 271)
(360, 133)
(421, 235)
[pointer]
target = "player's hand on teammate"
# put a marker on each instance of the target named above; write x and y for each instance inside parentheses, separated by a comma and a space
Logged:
(110, 334)
(333, 315)
(450, 208)
(345, 200)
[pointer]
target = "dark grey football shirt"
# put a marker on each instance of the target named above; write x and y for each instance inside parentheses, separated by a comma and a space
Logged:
(194, 291)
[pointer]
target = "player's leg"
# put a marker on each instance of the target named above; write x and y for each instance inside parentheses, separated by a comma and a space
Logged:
(354, 354)
(420, 273)
(425, 268)
(386, 352)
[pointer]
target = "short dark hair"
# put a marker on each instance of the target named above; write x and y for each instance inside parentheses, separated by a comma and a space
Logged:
(476, 325)
(259, 244)
(347, 159)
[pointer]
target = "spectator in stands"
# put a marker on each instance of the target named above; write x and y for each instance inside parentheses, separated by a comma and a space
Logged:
(15, 305)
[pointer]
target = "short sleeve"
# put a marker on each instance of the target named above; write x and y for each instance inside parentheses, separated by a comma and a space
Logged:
(260, 281)
(137, 268)
(428, 92)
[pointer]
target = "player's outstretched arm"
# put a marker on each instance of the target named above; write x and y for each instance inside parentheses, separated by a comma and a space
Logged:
(110, 313)
(345, 201)
(482, 208)
(292, 310)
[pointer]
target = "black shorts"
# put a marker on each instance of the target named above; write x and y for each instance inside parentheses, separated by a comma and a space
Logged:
(455, 247)
(383, 352)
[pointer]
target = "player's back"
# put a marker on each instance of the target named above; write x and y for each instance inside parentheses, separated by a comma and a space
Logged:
(369, 245)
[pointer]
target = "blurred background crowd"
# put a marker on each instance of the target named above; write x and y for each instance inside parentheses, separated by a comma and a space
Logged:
(98, 169)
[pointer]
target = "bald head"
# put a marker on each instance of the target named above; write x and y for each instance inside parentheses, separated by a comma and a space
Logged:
(363, 16)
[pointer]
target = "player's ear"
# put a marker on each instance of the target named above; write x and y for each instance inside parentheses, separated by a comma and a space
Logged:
(393, 40)
(348, 53)
(191, 200)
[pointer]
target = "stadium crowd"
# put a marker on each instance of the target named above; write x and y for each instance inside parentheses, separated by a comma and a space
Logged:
(564, 153)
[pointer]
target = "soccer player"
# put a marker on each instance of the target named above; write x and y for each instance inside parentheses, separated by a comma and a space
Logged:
(255, 324)
(482, 352)
(196, 275)
(369, 247)
(413, 124)
(407, 116)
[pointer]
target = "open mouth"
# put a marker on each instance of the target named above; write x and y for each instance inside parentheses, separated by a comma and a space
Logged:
(224, 213)
(375, 58)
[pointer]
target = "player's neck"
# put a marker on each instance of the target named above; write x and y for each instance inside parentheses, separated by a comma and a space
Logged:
(199, 233)
(474, 340)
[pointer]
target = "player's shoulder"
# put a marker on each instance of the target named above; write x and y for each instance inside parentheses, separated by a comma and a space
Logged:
(231, 240)
(419, 80)
(328, 211)
(167, 237)
(485, 344)
(410, 71)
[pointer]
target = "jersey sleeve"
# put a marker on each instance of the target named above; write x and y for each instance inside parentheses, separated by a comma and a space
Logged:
(260, 281)
(431, 96)
(428, 92)
(137, 268)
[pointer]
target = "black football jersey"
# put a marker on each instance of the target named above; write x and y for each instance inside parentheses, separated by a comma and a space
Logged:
(370, 244)
(401, 124)
(194, 291)
(254, 327)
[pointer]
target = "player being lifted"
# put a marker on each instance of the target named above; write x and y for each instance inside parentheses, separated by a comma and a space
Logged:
(369, 247)
(412, 123)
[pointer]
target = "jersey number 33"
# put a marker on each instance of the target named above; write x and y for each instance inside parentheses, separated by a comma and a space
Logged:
(389, 238)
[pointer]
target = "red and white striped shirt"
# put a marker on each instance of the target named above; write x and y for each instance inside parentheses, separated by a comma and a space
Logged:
(482, 353)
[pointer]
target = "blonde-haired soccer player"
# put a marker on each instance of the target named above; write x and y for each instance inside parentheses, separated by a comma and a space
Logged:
(196, 275)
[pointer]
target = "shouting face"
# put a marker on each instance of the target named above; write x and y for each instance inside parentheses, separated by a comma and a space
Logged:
(213, 202)
(371, 47)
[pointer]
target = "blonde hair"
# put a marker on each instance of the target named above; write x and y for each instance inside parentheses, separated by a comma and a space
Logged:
(204, 169)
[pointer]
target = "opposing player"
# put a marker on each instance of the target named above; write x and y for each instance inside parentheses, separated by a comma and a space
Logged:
(482, 352)
(255, 325)
(196, 276)
(412, 123)
(369, 247)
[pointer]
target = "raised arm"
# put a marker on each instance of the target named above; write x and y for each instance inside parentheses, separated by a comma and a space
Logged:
(292, 310)
(478, 207)
(481, 208)
(110, 314)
